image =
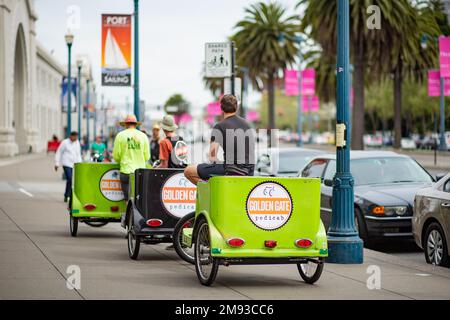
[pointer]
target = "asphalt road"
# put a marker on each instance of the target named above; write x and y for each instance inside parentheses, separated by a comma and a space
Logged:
(38, 256)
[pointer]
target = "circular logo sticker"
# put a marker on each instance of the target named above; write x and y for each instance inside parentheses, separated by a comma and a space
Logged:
(179, 195)
(110, 186)
(269, 206)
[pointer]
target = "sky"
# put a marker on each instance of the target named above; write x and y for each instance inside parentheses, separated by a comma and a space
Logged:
(172, 38)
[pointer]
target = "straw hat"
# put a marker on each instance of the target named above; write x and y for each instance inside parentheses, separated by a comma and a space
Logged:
(130, 119)
(168, 124)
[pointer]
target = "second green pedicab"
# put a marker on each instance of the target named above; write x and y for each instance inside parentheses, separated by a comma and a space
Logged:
(97, 197)
(247, 221)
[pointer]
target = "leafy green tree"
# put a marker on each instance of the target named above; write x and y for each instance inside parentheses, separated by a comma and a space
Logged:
(259, 49)
(178, 101)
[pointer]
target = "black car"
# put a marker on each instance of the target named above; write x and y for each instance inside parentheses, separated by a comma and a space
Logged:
(385, 186)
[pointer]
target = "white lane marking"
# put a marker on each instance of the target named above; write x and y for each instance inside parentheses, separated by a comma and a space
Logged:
(26, 192)
(423, 275)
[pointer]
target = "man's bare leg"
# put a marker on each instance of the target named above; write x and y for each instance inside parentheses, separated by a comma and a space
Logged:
(191, 174)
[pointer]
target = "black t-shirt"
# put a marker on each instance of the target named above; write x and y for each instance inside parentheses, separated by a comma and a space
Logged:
(237, 138)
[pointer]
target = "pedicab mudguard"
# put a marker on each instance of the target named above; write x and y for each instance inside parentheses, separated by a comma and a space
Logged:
(96, 191)
(261, 211)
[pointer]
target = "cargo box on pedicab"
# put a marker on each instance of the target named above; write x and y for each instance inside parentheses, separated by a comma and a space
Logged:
(158, 199)
(246, 220)
(97, 197)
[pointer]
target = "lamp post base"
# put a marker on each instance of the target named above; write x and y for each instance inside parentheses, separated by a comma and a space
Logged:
(345, 250)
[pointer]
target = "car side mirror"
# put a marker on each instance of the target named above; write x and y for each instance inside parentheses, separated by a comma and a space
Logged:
(328, 182)
(439, 176)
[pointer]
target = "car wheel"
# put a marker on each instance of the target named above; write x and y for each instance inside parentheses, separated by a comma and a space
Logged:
(206, 266)
(362, 228)
(134, 241)
(311, 271)
(435, 246)
(185, 253)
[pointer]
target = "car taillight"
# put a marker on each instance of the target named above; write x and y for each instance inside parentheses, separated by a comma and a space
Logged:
(90, 206)
(303, 243)
(378, 210)
(235, 242)
(115, 209)
(270, 244)
(154, 223)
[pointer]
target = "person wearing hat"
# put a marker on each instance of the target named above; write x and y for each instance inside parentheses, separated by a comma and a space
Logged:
(154, 143)
(131, 150)
(171, 142)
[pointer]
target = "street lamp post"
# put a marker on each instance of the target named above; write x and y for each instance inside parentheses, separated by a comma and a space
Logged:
(443, 142)
(94, 135)
(136, 60)
(87, 113)
(69, 40)
(345, 246)
(80, 107)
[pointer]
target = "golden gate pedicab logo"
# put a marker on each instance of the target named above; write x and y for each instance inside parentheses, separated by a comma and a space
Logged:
(269, 206)
(110, 186)
(179, 195)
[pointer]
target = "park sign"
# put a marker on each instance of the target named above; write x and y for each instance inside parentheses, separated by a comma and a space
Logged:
(218, 60)
(116, 50)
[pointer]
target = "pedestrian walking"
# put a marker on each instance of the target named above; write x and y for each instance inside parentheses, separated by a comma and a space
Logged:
(172, 149)
(131, 151)
(154, 143)
(67, 154)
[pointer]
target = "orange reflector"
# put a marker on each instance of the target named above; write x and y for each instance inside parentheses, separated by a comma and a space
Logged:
(235, 242)
(90, 206)
(303, 243)
(270, 244)
(378, 211)
(154, 223)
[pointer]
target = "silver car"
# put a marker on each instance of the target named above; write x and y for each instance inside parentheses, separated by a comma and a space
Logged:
(431, 222)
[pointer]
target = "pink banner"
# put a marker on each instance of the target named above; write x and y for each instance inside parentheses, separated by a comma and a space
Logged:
(214, 109)
(183, 118)
(291, 82)
(310, 104)
(444, 56)
(434, 84)
(253, 115)
(309, 82)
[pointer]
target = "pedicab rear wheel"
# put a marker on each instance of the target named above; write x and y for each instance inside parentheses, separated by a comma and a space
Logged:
(133, 240)
(185, 253)
(73, 225)
(206, 266)
(311, 271)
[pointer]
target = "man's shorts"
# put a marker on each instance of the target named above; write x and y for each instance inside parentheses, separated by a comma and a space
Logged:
(206, 170)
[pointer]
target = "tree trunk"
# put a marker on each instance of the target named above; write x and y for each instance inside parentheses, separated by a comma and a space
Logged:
(358, 126)
(271, 111)
(398, 106)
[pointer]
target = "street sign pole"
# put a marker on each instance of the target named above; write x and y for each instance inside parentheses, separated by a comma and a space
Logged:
(87, 113)
(80, 108)
(300, 111)
(233, 68)
(136, 60)
(345, 246)
(443, 142)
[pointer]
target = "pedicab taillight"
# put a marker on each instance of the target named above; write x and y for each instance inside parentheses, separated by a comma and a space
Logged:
(90, 207)
(154, 223)
(270, 244)
(235, 242)
(115, 209)
(303, 243)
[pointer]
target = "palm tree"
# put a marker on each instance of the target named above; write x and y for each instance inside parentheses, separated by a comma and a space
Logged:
(259, 49)
(369, 47)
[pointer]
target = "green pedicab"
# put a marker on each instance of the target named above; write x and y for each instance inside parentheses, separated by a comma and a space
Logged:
(97, 197)
(246, 220)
